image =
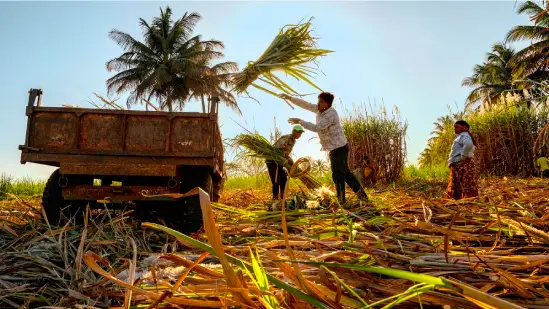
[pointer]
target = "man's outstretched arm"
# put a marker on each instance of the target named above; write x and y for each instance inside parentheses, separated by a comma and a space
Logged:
(322, 124)
(299, 102)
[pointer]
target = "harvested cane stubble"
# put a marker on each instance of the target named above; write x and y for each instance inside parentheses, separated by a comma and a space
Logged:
(489, 252)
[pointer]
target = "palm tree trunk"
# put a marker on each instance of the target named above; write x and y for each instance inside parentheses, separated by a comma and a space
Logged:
(169, 102)
(203, 104)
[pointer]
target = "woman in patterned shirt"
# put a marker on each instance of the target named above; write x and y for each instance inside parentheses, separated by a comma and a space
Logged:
(463, 181)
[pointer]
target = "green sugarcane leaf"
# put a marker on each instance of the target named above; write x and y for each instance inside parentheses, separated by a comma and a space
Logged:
(348, 288)
(280, 284)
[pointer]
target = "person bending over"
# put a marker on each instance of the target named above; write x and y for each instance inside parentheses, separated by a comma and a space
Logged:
(277, 172)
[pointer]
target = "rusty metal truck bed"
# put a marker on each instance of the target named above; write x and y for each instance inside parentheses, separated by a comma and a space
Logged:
(111, 142)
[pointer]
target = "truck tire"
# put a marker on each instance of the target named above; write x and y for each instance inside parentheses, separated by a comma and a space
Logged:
(192, 212)
(217, 188)
(55, 205)
(184, 215)
(52, 199)
(201, 177)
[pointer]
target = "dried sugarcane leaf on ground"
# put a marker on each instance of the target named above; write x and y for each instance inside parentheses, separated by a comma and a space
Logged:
(403, 254)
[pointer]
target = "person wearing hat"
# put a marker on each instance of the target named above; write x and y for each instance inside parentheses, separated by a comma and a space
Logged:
(277, 172)
(542, 165)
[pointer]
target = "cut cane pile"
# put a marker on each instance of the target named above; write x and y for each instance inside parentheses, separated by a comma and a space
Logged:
(408, 249)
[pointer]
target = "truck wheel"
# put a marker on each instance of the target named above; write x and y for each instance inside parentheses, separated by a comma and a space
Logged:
(207, 185)
(183, 215)
(54, 203)
(200, 178)
(188, 210)
(191, 210)
(217, 188)
(192, 214)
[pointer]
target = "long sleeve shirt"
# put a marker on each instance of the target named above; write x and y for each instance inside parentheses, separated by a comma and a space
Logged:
(327, 125)
(286, 143)
(462, 148)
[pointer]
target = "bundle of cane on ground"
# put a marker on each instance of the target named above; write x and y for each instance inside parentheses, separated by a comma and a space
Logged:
(290, 51)
(257, 146)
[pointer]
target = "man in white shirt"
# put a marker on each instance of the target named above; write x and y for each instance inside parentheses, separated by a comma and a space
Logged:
(332, 140)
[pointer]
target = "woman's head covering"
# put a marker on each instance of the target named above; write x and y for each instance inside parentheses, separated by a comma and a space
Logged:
(465, 126)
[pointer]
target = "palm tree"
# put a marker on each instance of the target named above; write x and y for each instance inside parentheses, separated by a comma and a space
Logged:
(319, 166)
(169, 64)
(532, 60)
(442, 124)
(493, 78)
(425, 157)
(213, 81)
(440, 141)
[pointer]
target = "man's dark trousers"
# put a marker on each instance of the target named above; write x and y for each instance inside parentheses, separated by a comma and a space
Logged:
(278, 179)
(339, 162)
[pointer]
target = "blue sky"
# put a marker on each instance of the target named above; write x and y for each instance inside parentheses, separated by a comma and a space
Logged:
(412, 55)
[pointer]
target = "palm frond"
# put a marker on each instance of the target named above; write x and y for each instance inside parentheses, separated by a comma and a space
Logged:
(520, 33)
(530, 8)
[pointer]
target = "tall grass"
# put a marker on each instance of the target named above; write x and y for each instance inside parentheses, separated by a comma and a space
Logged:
(379, 135)
(247, 182)
(505, 137)
(262, 181)
(506, 140)
(433, 172)
(25, 186)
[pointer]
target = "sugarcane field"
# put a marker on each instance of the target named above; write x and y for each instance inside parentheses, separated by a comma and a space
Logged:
(274, 155)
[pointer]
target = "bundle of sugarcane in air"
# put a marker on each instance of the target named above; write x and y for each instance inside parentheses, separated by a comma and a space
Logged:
(257, 146)
(290, 51)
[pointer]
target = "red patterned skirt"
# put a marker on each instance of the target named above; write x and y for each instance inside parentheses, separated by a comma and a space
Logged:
(463, 181)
